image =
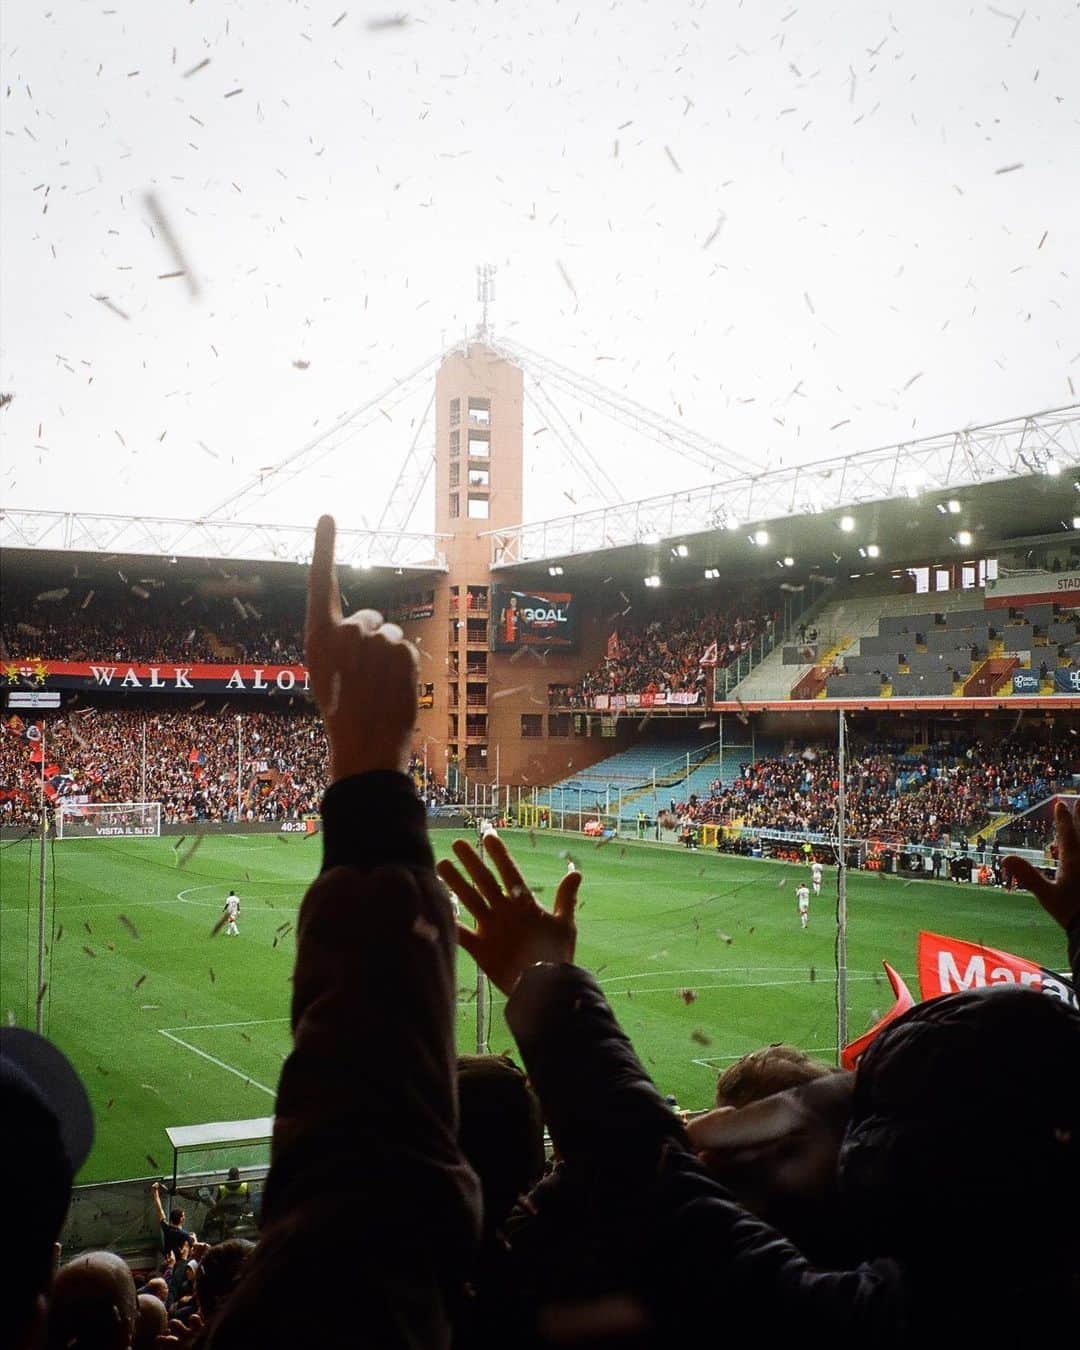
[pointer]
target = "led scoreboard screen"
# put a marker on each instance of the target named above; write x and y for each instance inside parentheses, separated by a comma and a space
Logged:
(533, 619)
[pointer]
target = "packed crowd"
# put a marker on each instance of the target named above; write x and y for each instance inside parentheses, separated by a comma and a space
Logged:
(199, 765)
(665, 654)
(147, 620)
(946, 794)
(808, 1206)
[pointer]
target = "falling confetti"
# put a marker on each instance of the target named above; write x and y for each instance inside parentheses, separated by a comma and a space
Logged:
(172, 243)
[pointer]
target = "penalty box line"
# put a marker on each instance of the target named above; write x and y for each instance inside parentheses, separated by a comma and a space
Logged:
(213, 1059)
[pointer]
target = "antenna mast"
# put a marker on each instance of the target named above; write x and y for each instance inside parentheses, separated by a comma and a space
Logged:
(485, 294)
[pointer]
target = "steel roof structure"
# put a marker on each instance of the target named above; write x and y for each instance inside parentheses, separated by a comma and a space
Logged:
(1041, 449)
(228, 540)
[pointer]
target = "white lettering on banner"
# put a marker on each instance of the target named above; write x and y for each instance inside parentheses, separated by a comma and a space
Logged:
(1002, 975)
(236, 681)
(1059, 989)
(155, 683)
(284, 675)
(182, 681)
(258, 682)
(103, 674)
(949, 976)
(131, 679)
(544, 616)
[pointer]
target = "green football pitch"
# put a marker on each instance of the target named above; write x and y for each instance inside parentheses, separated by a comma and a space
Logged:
(702, 956)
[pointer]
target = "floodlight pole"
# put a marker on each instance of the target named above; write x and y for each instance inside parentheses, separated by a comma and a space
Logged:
(39, 1002)
(481, 992)
(239, 761)
(841, 891)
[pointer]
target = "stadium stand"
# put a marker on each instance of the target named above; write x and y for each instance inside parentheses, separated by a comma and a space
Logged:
(127, 618)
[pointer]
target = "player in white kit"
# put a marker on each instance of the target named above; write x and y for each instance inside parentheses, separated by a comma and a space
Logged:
(815, 876)
(232, 909)
(802, 898)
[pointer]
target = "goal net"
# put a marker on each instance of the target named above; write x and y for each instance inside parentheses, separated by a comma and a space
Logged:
(107, 820)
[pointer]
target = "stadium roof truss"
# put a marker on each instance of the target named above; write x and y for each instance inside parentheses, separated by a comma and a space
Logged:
(161, 536)
(1042, 444)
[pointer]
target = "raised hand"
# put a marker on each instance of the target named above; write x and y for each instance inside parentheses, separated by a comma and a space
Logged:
(1060, 898)
(512, 931)
(363, 673)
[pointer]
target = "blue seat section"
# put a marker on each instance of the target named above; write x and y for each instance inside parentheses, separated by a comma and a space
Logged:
(631, 771)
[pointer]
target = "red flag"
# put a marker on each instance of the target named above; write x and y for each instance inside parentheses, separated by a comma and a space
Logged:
(613, 647)
(947, 965)
(853, 1052)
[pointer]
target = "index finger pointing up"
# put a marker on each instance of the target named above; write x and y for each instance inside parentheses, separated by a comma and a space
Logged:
(324, 599)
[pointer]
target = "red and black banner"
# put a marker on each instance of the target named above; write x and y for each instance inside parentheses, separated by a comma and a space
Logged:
(947, 965)
(163, 678)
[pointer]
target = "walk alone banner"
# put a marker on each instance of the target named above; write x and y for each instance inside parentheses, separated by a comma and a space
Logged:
(162, 678)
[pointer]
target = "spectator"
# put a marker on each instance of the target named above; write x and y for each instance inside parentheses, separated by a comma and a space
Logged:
(174, 1236)
(150, 1322)
(365, 1157)
(48, 1129)
(759, 1074)
(93, 1304)
(219, 1272)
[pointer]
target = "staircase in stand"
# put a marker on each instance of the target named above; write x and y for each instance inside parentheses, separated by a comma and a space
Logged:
(988, 677)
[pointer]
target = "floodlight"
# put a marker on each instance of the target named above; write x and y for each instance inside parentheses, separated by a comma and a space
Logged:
(964, 538)
(761, 538)
(712, 574)
(953, 506)
(873, 551)
(652, 582)
(847, 523)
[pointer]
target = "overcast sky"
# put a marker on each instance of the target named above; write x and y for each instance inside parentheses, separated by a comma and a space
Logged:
(800, 229)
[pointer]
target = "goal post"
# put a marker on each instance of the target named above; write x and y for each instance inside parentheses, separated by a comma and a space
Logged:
(107, 820)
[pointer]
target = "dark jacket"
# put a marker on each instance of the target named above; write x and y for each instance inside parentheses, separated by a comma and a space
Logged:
(631, 1219)
(366, 1175)
(631, 1223)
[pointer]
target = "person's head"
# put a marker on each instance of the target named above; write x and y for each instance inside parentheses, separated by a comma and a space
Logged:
(219, 1271)
(47, 1130)
(968, 1095)
(183, 1251)
(500, 1131)
(234, 1174)
(93, 1304)
(176, 1217)
(159, 1287)
(777, 1155)
(773, 1068)
(150, 1322)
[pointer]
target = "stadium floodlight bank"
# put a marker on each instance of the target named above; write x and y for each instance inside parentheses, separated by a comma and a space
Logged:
(108, 820)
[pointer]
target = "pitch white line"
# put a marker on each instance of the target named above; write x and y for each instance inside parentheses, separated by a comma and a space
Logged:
(730, 1059)
(219, 1062)
(711, 970)
(219, 1026)
(759, 984)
